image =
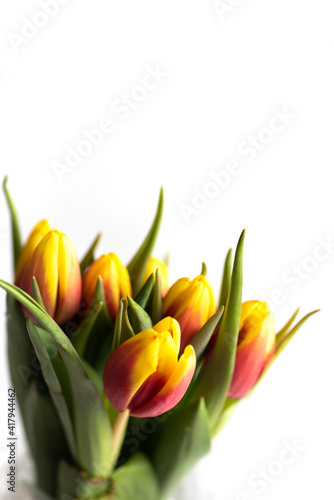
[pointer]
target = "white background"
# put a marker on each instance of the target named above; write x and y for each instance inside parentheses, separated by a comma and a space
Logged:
(226, 75)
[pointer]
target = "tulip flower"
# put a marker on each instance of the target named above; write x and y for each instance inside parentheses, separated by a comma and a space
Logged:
(191, 303)
(38, 232)
(144, 374)
(55, 266)
(152, 266)
(256, 346)
(116, 281)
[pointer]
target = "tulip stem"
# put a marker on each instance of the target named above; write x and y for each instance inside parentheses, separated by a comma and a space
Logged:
(119, 429)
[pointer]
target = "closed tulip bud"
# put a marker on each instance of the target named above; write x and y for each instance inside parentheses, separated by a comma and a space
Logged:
(191, 303)
(152, 266)
(144, 374)
(116, 281)
(256, 346)
(55, 266)
(38, 232)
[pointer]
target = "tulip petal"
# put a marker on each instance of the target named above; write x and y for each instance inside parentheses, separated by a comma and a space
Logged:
(251, 357)
(36, 235)
(167, 362)
(44, 266)
(69, 280)
(174, 389)
(172, 326)
(129, 366)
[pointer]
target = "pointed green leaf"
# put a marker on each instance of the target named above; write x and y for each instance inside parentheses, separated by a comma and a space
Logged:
(156, 309)
(286, 339)
(139, 318)
(139, 262)
(202, 338)
(226, 281)
(36, 293)
(180, 441)
(282, 332)
(123, 329)
(16, 235)
(82, 333)
(228, 410)
(145, 292)
(215, 377)
(88, 259)
(136, 479)
(281, 345)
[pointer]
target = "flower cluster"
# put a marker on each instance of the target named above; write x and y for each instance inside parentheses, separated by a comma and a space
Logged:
(129, 346)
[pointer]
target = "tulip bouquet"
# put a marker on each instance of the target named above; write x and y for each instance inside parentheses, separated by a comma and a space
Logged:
(123, 380)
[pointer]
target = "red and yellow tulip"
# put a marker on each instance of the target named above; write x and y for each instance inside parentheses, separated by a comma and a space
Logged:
(116, 281)
(191, 303)
(54, 264)
(256, 346)
(38, 232)
(144, 374)
(152, 266)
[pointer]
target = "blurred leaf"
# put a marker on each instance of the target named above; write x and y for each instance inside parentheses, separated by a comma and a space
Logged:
(282, 332)
(139, 318)
(45, 434)
(226, 281)
(74, 484)
(215, 377)
(180, 441)
(201, 339)
(88, 259)
(139, 262)
(16, 236)
(135, 479)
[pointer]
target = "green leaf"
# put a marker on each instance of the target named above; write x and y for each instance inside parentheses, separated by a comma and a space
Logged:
(215, 377)
(135, 479)
(73, 484)
(282, 332)
(123, 329)
(226, 281)
(180, 441)
(88, 259)
(36, 293)
(289, 336)
(54, 371)
(139, 262)
(228, 410)
(156, 308)
(16, 235)
(145, 292)
(202, 338)
(90, 419)
(82, 333)
(139, 318)
(45, 435)
(21, 355)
